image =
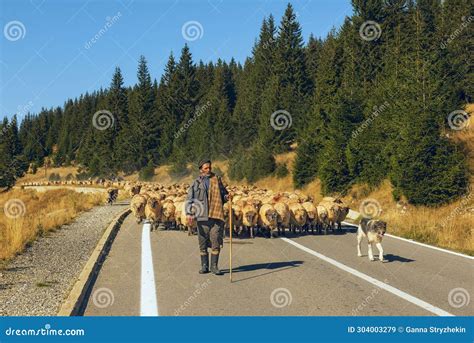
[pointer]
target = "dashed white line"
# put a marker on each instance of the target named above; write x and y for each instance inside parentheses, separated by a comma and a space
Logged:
(414, 300)
(148, 303)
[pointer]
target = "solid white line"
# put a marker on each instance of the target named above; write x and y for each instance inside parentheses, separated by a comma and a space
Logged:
(380, 284)
(422, 244)
(148, 303)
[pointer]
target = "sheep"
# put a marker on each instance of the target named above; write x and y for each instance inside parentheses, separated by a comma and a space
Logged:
(323, 220)
(312, 216)
(283, 216)
(341, 214)
(268, 218)
(135, 190)
(153, 211)
(168, 213)
(297, 216)
(137, 206)
(112, 194)
(249, 217)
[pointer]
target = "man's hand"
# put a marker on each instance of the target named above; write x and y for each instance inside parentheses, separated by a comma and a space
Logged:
(190, 220)
(230, 195)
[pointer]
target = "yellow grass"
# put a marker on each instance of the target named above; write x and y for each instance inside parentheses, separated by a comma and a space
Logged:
(448, 226)
(40, 174)
(41, 213)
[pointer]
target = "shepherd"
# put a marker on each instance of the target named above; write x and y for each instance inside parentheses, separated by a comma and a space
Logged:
(205, 201)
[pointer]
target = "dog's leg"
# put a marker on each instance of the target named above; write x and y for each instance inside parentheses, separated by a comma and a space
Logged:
(380, 249)
(359, 240)
(371, 255)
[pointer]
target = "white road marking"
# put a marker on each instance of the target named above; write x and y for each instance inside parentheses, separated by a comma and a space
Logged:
(148, 303)
(380, 284)
(422, 244)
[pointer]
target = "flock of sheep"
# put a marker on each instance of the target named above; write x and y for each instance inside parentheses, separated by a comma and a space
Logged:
(255, 211)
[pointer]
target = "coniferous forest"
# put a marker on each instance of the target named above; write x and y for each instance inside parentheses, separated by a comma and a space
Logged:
(368, 102)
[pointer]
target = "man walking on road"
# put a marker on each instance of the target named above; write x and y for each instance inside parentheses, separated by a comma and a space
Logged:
(205, 201)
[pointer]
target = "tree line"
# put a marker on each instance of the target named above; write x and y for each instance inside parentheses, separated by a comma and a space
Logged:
(365, 103)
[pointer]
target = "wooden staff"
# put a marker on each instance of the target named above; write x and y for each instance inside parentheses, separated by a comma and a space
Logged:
(230, 236)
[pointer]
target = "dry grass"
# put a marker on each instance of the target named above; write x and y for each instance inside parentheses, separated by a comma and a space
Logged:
(42, 213)
(40, 174)
(449, 226)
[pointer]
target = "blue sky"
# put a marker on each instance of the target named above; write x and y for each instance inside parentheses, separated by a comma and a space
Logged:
(47, 52)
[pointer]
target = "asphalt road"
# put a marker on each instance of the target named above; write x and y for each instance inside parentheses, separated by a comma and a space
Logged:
(313, 275)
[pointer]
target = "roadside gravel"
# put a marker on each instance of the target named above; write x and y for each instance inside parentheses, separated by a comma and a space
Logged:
(36, 282)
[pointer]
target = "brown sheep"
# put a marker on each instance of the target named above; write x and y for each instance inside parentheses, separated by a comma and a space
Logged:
(168, 213)
(312, 216)
(137, 206)
(323, 220)
(283, 216)
(249, 217)
(268, 218)
(297, 216)
(153, 211)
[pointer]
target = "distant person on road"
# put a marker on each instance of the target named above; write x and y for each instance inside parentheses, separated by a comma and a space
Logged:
(205, 201)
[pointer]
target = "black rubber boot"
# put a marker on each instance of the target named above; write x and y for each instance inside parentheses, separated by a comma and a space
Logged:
(214, 261)
(204, 264)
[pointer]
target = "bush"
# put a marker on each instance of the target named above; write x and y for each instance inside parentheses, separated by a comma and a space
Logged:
(218, 171)
(54, 177)
(82, 175)
(147, 172)
(281, 171)
(69, 177)
(252, 164)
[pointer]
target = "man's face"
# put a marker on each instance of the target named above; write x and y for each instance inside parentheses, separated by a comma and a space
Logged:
(206, 169)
